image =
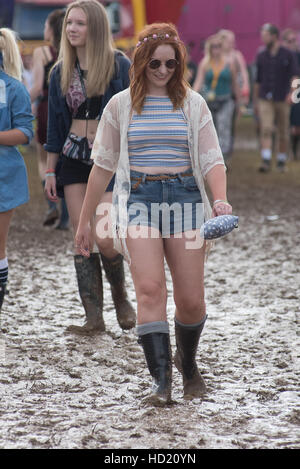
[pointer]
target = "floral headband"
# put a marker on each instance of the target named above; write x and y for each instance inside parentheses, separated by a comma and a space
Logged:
(155, 36)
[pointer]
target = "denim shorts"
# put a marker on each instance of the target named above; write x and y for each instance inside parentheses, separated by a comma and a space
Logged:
(169, 205)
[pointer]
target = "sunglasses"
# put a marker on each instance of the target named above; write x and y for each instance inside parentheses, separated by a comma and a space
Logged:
(154, 64)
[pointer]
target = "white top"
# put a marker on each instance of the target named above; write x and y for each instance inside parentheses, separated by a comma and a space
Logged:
(110, 152)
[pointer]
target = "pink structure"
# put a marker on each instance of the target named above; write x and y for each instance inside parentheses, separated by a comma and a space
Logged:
(200, 18)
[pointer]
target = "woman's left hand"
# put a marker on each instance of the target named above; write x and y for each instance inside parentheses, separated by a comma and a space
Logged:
(221, 207)
(83, 241)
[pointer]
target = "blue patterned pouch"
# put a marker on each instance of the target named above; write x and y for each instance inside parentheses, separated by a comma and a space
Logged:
(218, 226)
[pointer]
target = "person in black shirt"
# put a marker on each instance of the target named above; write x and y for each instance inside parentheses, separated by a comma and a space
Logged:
(290, 41)
(276, 68)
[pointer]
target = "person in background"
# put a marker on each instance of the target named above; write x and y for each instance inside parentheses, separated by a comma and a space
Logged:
(276, 67)
(289, 41)
(217, 81)
(88, 73)
(15, 129)
(160, 139)
(191, 65)
(27, 74)
(236, 58)
(44, 58)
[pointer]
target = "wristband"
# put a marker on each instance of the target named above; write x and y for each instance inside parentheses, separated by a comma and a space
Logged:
(50, 171)
(49, 174)
(221, 201)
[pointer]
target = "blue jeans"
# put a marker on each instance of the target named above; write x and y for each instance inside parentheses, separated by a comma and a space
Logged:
(169, 205)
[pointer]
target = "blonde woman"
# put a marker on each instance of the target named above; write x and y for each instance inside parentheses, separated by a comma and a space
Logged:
(217, 81)
(236, 58)
(88, 73)
(15, 129)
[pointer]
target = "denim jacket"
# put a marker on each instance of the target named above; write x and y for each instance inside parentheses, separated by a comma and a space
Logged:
(15, 113)
(15, 108)
(59, 116)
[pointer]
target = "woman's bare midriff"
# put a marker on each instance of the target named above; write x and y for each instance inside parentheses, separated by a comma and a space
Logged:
(160, 169)
(78, 128)
(83, 128)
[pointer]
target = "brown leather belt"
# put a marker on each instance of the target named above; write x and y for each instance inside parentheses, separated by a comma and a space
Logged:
(159, 177)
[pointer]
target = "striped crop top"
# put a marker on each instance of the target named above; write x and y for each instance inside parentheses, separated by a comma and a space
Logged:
(158, 136)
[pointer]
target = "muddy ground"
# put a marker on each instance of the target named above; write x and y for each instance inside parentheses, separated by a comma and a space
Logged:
(64, 391)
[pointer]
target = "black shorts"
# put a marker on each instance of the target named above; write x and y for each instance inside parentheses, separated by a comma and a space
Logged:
(70, 171)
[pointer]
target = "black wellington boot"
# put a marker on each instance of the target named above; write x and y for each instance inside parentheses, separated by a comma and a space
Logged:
(187, 339)
(89, 278)
(2, 293)
(294, 145)
(157, 350)
(114, 270)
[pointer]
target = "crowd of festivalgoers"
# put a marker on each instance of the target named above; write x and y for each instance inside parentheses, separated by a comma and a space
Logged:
(229, 85)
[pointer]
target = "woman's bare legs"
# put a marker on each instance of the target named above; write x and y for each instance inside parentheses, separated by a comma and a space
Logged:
(148, 275)
(187, 270)
(103, 231)
(5, 219)
(88, 270)
(52, 213)
(112, 263)
(89, 273)
(147, 270)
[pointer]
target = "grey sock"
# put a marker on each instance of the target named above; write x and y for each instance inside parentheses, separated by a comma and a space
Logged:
(190, 326)
(149, 327)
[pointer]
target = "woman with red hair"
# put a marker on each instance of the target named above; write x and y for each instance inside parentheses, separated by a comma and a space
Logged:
(158, 137)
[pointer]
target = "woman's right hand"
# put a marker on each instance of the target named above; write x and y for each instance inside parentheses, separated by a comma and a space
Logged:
(83, 239)
(50, 188)
(221, 207)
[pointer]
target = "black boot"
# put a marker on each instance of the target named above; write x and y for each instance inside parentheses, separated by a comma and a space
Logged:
(187, 339)
(89, 277)
(294, 145)
(114, 270)
(265, 166)
(157, 350)
(2, 293)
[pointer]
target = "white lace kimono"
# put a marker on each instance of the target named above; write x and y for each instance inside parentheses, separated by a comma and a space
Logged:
(110, 151)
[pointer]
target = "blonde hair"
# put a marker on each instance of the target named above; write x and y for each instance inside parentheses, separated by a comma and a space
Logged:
(12, 62)
(207, 47)
(225, 34)
(286, 33)
(99, 49)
